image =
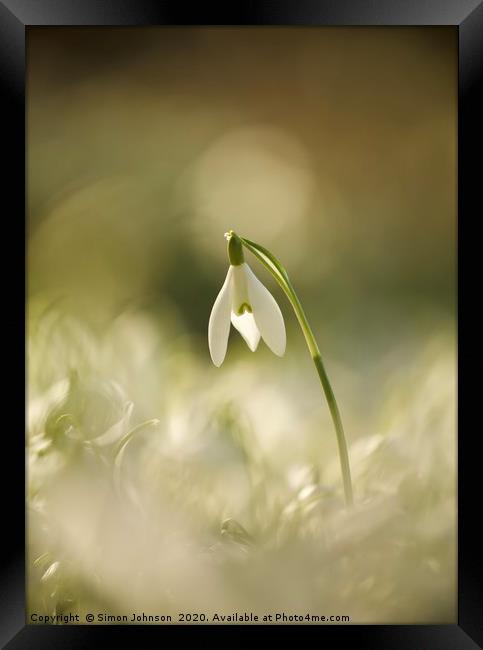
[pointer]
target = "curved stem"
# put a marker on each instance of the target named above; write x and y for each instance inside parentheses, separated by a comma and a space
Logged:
(329, 395)
(276, 269)
(341, 441)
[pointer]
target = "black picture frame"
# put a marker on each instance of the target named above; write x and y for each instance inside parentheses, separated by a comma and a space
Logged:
(15, 17)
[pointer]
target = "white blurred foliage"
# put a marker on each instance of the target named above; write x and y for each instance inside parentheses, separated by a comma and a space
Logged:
(232, 501)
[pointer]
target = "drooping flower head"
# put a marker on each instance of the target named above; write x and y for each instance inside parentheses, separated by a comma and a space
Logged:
(247, 304)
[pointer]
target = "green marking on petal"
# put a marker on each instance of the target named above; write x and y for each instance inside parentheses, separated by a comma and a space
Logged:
(243, 308)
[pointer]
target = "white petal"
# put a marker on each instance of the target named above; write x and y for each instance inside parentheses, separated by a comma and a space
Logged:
(267, 314)
(239, 289)
(247, 327)
(219, 324)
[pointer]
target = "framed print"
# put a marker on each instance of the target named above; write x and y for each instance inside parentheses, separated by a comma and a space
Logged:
(244, 235)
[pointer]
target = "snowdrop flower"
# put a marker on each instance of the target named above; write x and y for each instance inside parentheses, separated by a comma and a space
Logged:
(249, 306)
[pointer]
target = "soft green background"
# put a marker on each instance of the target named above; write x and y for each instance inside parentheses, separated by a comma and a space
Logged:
(334, 148)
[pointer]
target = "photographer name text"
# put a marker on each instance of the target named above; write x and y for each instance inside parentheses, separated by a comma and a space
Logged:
(141, 617)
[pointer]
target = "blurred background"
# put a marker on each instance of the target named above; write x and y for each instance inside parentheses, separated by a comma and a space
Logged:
(159, 483)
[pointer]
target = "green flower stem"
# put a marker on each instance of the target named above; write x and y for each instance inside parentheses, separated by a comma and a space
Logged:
(272, 264)
(329, 394)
